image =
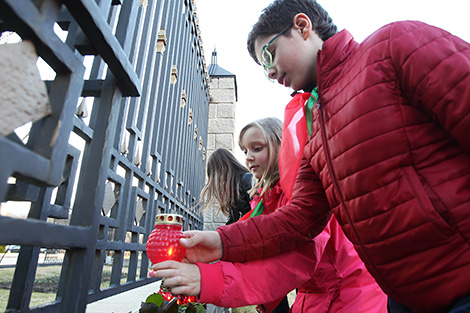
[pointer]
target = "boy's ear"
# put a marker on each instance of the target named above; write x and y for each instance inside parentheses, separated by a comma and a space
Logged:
(302, 24)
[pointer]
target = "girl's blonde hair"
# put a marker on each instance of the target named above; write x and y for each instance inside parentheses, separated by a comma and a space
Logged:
(224, 174)
(272, 130)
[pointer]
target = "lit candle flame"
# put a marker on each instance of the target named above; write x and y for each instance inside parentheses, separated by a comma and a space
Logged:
(180, 299)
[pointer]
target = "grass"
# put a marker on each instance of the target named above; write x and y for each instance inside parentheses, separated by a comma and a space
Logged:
(37, 298)
(6, 274)
(47, 278)
(45, 284)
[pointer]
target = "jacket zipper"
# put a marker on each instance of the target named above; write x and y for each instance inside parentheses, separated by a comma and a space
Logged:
(340, 195)
(330, 166)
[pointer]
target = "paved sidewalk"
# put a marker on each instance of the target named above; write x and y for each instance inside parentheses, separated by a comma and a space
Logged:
(129, 301)
(125, 302)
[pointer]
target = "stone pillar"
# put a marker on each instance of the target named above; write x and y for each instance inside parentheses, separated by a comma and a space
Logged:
(221, 114)
(221, 130)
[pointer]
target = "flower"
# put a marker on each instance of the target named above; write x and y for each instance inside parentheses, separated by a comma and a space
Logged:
(180, 299)
(165, 302)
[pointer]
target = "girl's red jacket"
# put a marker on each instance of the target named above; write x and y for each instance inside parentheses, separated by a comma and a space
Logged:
(327, 271)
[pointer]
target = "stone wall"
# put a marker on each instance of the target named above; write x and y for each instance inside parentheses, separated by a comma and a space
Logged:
(221, 131)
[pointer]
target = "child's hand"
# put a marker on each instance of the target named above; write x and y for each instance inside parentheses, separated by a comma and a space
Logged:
(202, 246)
(183, 278)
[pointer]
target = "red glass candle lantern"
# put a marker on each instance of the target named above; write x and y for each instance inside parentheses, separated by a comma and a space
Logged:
(164, 242)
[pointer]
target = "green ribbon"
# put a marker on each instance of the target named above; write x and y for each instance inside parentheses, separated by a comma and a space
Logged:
(258, 209)
(309, 108)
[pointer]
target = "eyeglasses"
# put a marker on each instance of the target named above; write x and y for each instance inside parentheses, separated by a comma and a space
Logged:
(266, 56)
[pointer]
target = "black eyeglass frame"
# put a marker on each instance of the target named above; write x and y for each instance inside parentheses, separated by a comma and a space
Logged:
(265, 50)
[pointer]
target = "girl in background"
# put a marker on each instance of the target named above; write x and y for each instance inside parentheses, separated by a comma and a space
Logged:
(228, 183)
(328, 273)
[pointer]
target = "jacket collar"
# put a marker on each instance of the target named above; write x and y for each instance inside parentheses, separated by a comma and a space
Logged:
(269, 198)
(335, 50)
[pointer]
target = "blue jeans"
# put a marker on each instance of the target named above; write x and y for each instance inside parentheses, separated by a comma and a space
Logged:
(461, 306)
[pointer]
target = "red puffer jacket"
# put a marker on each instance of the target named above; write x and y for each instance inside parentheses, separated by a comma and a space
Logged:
(329, 274)
(390, 154)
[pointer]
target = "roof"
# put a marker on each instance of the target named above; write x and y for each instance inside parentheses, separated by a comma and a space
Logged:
(215, 71)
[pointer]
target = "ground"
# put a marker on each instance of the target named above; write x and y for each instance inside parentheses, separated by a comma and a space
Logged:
(46, 282)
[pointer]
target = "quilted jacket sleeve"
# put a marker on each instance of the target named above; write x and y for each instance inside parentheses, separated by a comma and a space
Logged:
(285, 229)
(228, 284)
(434, 73)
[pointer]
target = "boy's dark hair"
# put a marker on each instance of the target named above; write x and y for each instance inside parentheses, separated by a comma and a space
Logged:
(280, 13)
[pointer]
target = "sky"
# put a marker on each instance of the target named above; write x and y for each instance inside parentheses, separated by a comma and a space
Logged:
(225, 24)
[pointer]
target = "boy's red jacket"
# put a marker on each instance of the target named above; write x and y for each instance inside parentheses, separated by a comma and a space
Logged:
(328, 272)
(390, 155)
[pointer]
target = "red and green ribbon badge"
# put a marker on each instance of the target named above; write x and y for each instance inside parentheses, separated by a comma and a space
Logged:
(309, 109)
(298, 118)
(258, 210)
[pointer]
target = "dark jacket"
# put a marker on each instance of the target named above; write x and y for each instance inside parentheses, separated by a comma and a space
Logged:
(242, 204)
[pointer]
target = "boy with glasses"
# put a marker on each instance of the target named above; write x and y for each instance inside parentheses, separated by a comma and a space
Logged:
(387, 152)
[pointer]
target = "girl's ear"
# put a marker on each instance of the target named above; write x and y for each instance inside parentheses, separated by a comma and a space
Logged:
(302, 24)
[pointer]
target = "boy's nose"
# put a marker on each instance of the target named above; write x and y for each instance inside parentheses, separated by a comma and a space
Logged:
(271, 73)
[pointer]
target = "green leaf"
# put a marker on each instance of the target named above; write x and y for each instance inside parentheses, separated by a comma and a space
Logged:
(163, 307)
(155, 298)
(200, 308)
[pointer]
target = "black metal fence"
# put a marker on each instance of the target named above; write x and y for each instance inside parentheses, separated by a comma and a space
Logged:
(126, 140)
